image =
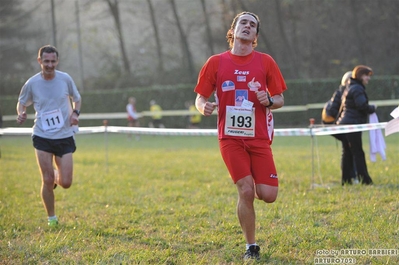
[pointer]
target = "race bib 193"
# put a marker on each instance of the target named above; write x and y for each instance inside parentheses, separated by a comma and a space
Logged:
(240, 121)
(52, 120)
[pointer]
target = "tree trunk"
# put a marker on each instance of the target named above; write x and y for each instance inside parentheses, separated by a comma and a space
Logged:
(53, 23)
(225, 14)
(358, 32)
(157, 39)
(207, 28)
(287, 45)
(184, 42)
(113, 7)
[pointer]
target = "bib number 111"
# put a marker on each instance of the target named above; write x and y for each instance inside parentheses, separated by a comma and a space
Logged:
(52, 120)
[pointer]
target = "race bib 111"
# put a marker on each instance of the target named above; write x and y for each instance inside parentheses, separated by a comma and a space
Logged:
(52, 121)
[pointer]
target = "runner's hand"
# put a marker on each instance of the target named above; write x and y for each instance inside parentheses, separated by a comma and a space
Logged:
(22, 118)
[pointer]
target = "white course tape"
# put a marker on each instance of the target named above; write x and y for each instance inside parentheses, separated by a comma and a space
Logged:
(16, 131)
(316, 130)
(337, 129)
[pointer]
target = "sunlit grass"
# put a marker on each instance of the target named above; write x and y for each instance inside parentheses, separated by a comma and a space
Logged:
(169, 200)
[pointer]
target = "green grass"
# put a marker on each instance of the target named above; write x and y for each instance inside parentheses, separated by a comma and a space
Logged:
(169, 200)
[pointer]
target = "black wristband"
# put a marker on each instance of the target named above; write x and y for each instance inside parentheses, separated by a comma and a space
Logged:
(271, 102)
(77, 112)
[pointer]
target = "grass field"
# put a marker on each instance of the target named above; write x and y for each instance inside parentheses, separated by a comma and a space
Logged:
(169, 200)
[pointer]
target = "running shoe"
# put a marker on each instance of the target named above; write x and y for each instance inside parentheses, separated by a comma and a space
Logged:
(252, 253)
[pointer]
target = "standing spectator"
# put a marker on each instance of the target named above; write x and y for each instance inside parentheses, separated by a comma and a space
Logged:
(330, 114)
(356, 109)
(332, 108)
(51, 92)
(247, 86)
(156, 119)
(132, 116)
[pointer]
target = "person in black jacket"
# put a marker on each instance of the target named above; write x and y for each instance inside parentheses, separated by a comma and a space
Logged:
(332, 108)
(330, 115)
(355, 110)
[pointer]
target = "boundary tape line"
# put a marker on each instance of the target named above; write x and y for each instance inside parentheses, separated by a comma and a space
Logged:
(310, 131)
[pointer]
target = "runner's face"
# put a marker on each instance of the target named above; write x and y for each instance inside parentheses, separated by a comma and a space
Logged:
(246, 28)
(48, 63)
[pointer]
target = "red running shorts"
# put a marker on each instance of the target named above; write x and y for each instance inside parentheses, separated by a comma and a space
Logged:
(249, 157)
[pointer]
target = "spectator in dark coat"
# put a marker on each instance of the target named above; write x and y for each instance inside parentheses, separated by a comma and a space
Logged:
(330, 115)
(356, 110)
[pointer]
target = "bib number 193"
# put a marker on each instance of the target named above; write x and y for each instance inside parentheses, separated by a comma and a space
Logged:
(239, 122)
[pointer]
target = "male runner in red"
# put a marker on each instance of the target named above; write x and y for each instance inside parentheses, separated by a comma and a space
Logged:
(245, 127)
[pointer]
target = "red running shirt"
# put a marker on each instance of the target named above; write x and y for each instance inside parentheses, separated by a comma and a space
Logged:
(230, 77)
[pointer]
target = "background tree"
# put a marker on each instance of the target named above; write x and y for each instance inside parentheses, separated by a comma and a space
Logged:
(160, 67)
(208, 30)
(309, 39)
(184, 42)
(226, 20)
(15, 56)
(114, 8)
(289, 50)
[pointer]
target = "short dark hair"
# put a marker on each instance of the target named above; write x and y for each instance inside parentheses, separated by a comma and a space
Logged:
(47, 49)
(230, 35)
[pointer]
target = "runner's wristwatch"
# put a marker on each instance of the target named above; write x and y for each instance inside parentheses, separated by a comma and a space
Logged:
(76, 111)
(271, 102)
